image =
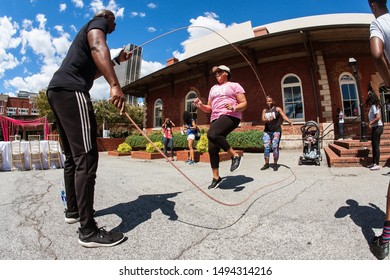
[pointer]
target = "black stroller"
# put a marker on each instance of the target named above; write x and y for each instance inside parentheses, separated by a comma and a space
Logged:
(311, 144)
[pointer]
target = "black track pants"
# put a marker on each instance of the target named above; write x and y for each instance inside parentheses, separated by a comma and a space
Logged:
(77, 127)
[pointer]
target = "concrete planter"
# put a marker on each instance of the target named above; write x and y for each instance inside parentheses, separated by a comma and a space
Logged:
(117, 154)
(145, 155)
(203, 157)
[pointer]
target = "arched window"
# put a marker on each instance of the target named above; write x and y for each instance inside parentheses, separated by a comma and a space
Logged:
(349, 97)
(157, 113)
(293, 98)
(190, 107)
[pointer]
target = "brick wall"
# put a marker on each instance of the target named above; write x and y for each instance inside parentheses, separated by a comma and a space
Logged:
(109, 144)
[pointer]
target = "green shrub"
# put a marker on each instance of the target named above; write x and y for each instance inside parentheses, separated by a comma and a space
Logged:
(249, 141)
(124, 148)
(152, 148)
(203, 143)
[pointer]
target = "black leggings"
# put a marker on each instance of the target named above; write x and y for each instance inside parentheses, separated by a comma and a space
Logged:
(376, 133)
(218, 131)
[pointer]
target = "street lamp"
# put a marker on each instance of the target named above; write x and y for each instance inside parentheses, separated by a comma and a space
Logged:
(363, 127)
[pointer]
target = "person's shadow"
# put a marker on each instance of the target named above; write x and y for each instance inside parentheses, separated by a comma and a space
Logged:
(366, 217)
(135, 212)
(234, 182)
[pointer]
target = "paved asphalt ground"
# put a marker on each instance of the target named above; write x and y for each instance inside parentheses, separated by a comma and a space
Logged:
(303, 212)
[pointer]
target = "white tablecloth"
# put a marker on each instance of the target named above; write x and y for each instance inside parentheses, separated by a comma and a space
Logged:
(5, 150)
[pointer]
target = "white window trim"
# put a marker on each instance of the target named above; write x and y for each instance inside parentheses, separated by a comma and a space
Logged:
(341, 94)
(154, 111)
(297, 120)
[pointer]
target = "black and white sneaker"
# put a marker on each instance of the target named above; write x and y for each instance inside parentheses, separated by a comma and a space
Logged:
(71, 217)
(236, 162)
(100, 238)
(215, 183)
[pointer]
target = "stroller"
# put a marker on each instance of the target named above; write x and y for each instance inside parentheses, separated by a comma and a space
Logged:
(311, 143)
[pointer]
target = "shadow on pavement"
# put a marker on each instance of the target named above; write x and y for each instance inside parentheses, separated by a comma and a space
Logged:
(136, 212)
(234, 182)
(366, 217)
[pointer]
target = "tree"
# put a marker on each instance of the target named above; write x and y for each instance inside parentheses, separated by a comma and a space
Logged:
(42, 104)
(108, 116)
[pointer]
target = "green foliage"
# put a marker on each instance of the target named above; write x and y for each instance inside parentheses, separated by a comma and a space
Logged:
(248, 141)
(124, 148)
(42, 104)
(202, 145)
(152, 148)
(109, 115)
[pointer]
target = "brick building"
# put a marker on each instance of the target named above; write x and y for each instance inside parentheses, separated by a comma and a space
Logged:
(302, 63)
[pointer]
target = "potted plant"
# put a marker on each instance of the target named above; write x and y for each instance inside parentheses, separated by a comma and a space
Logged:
(123, 149)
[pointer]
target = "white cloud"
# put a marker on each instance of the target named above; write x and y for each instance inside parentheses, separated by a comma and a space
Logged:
(152, 6)
(78, 3)
(7, 42)
(97, 5)
(199, 27)
(62, 7)
(42, 20)
(148, 67)
(73, 28)
(151, 29)
(137, 14)
(59, 28)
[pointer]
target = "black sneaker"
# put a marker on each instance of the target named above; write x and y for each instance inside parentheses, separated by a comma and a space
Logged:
(265, 167)
(215, 183)
(71, 217)
(236, 162)
(276, 167)
(100, 238)
(379, 250)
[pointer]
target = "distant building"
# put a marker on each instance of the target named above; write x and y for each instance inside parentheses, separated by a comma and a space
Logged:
(21, 106)
(130, 70)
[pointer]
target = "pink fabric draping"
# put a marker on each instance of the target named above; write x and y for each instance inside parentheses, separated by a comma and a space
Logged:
(10, 126)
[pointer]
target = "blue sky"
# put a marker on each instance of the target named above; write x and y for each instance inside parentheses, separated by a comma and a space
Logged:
(35, 34)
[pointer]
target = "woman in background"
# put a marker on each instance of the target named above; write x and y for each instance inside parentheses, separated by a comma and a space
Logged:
(190, 128)
(376, 124)
(168, 137)
(273, 117)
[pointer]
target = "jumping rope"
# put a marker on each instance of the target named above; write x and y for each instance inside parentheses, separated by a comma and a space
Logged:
(174, 165)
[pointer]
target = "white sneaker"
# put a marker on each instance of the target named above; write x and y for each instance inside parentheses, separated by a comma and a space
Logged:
(375, 167)
(371, 165)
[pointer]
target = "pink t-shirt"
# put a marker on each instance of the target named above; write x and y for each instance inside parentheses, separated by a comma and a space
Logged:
(168, 132)
(219, 95)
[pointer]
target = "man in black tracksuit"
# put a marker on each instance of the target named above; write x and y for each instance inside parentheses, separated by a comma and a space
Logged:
(88, 58)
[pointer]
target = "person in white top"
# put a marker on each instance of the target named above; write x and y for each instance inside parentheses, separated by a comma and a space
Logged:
(380, 51)
(340, 116)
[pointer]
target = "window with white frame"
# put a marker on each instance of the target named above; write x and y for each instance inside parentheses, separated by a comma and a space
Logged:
(1, 107)
(293, 98)
(11, 111)
(349, 96)
(23, 111)
(190, 107)
(158, 113)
